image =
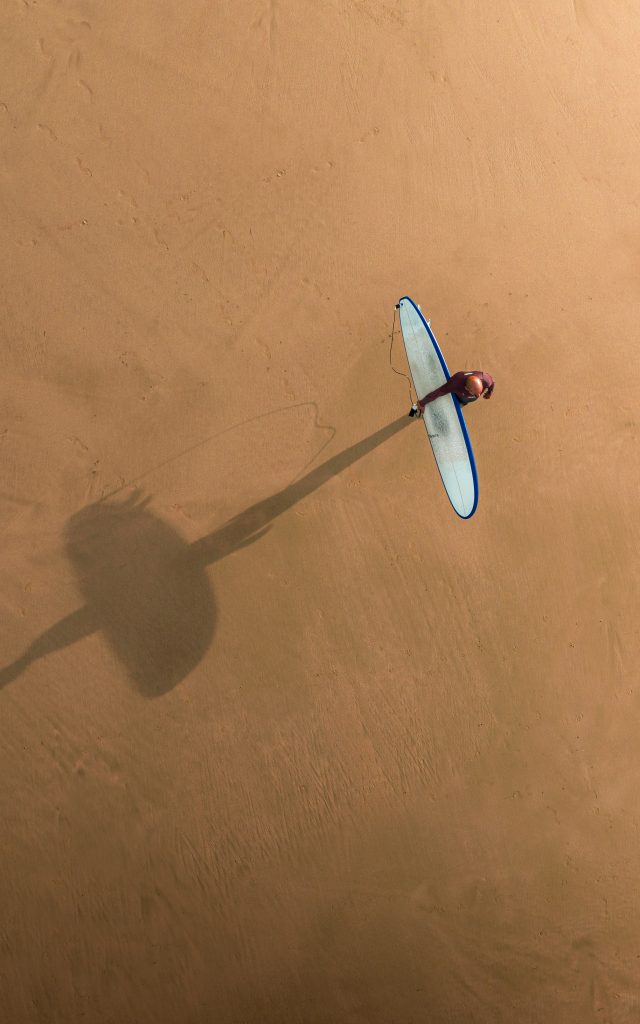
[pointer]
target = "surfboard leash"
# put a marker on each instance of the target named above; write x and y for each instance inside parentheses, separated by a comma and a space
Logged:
(399, 372)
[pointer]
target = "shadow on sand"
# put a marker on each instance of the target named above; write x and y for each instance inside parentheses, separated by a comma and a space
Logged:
(147, 589)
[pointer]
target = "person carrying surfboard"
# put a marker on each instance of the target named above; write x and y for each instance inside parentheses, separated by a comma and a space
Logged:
(467, 386)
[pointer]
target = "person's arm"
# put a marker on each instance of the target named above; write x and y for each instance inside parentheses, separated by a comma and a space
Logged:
(488, 393)
(444, 389)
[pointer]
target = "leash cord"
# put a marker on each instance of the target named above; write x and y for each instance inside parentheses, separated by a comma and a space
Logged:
(399, 372)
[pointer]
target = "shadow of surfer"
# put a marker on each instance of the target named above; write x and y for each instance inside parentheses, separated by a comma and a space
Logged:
(146, 589)
(254, 522)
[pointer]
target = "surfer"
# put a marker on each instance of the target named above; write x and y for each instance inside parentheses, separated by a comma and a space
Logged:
(467, 386)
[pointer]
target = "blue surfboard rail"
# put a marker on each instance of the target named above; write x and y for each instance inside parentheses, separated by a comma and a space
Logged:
(458, 407)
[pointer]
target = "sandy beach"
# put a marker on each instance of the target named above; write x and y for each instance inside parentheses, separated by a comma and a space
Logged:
(284, 740)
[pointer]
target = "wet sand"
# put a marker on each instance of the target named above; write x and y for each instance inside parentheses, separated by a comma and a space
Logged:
(284, 740)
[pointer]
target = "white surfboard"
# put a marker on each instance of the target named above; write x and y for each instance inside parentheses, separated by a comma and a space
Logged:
(443, 418)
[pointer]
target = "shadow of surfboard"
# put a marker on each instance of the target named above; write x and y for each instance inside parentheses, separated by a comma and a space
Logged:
(146, 588)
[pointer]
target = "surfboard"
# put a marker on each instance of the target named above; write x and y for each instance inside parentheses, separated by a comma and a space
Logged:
(443, 418)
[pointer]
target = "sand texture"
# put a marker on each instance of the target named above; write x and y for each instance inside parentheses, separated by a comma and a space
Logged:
(284, 741)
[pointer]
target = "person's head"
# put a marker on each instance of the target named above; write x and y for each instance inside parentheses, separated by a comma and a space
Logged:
(473, 385)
